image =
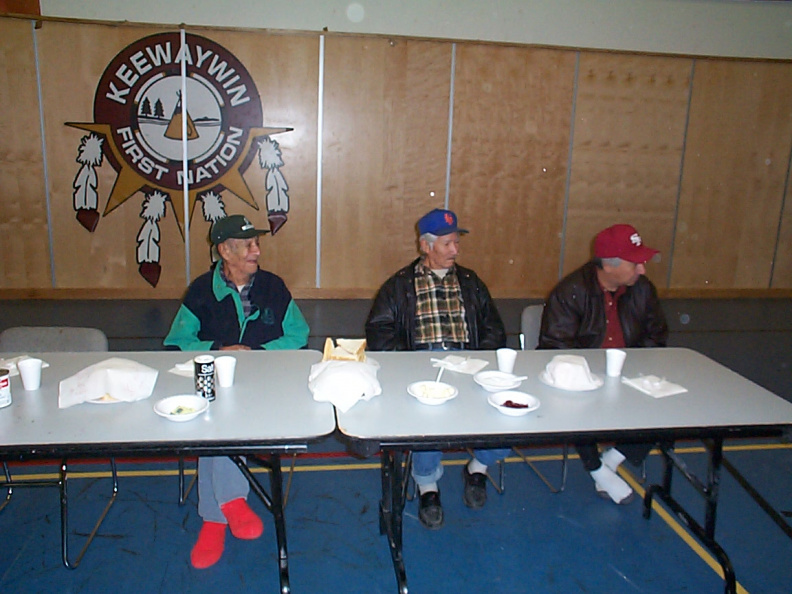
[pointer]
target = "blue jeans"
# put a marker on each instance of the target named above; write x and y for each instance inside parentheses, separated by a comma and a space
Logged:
(427, 467)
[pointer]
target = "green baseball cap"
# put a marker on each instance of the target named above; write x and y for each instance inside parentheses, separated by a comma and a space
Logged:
(233, 227)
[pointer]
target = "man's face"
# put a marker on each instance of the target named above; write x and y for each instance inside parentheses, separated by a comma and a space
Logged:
(443, 253)
(625, 274)
(240, 257)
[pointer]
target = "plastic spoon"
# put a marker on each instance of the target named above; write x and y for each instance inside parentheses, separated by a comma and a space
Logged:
(439, 373)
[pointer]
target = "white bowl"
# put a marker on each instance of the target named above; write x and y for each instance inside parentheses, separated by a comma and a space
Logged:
(526, 403)
(181, 408)
(431, 392)
(495, 381)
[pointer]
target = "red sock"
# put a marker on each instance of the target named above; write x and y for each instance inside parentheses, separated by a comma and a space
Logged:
(242, 520)
(209, 547)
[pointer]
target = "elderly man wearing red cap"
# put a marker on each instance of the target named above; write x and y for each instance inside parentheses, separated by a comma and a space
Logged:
(607, 303)
(435, 304)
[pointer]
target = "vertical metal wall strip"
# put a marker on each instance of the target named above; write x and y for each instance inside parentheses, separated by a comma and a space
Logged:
(680, 177)
(569, 167)
(319, 136)
(44, 162)
(450, 127)
(185, 181)
(781, 217)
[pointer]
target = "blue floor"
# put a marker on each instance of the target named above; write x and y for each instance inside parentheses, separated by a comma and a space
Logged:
(526, 540)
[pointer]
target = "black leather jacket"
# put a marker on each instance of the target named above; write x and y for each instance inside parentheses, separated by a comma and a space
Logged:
(391, 322)
(574, 316)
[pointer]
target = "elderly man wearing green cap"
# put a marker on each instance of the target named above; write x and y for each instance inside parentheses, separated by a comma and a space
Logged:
(233, 306)
(435, 304)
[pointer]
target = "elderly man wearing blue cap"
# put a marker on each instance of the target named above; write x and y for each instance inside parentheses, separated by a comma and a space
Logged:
(435, 304)
(234, 306)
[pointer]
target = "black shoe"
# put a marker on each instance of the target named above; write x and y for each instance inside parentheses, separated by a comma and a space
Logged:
(475, 488)
(430, 510)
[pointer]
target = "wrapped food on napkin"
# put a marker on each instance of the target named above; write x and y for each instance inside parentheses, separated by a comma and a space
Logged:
(344, 383)
(345, 349)
(656, 387)
(111, 380)
(460, 364)
(570, 372)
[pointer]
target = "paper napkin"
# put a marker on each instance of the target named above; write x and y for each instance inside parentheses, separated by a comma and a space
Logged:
(460, 364)
(656, 387)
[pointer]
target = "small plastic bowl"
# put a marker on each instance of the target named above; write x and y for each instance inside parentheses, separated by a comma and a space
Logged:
(495, 381)
(521, 403)
(431, 392)
(181, 408)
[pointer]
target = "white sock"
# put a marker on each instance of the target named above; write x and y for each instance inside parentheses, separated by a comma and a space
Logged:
(427, 488)
(475, 466)
(612, 458)
(611, 483)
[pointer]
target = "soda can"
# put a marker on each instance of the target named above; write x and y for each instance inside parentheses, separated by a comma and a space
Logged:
(205, 376)
(5, 388)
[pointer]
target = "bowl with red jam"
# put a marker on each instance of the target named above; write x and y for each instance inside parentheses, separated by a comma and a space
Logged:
(513, 403)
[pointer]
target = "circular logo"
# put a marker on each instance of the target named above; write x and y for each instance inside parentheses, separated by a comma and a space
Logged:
(150, 111)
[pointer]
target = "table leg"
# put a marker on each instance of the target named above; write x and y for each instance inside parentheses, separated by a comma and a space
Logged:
(392, 510)
(274, 504)
(64, 505)
(709, 490)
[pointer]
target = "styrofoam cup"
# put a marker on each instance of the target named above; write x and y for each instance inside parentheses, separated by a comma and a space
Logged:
(506, 359)
(224, 369)
(30, 372)
(614, 359)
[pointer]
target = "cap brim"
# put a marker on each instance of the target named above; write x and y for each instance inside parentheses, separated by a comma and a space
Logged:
(448, 231)
(640, 255)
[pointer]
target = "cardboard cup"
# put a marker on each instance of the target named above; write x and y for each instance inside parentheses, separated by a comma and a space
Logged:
(614, 359)
(30, 372)
(224, 368)
(506, 359)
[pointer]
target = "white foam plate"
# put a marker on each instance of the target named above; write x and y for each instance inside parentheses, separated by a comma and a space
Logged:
(495, 381)
(498, 399)
(595, 386)
(431, 392)
(181, 408)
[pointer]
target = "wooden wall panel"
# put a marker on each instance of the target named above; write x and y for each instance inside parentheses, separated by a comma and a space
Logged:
(627, 152)
(384, 154)
(285, 69)
(72, 59)
(736, 163)
(782, 269)
(512, 109)
(24, 242)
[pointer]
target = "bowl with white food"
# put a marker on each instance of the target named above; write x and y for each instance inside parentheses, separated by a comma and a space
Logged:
(431, 392)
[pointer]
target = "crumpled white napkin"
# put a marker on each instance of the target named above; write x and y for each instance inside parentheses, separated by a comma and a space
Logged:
(184, 369)
(344, 383)
(11, 364)
(656, 387)
(113, 379)
(460, 364)
(570, 372)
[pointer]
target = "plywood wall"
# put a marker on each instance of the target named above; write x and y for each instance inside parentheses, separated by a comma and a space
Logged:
(535, 148)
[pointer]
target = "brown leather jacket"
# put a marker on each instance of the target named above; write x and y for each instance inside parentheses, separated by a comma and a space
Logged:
(391, 322)
(574, 316)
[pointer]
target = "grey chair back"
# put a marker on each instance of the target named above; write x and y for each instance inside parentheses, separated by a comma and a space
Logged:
(530, 325)
(41, 339)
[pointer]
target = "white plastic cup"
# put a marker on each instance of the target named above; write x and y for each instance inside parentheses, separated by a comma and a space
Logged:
(506, 359)
(614, 359)
(30, 372)
(224, 368)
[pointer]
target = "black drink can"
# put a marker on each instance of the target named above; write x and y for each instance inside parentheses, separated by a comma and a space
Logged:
(205, 376)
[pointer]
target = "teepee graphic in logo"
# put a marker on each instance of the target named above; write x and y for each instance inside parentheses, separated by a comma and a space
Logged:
(174, 129)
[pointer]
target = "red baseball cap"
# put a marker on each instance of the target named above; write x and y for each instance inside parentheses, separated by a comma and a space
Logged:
(622, 241)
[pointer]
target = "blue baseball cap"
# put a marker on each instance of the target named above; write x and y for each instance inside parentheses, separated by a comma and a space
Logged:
(439, 222)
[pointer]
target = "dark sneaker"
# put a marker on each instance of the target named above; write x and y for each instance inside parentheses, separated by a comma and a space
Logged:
(430, 510)
(475, 488)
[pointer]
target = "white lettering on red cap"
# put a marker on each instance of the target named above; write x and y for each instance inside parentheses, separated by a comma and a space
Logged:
(635, 239)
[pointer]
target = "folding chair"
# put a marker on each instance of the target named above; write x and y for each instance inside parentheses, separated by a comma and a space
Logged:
(40, 339)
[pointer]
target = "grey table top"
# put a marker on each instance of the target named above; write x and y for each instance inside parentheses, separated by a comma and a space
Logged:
(268, 404)
(717, 399)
